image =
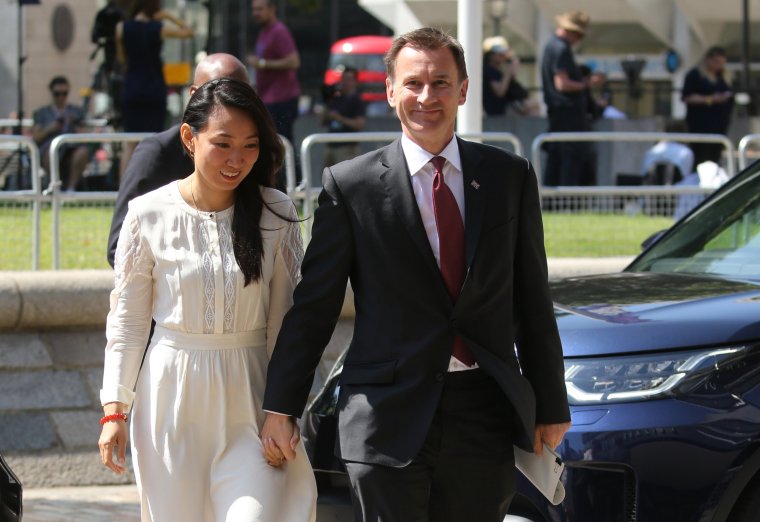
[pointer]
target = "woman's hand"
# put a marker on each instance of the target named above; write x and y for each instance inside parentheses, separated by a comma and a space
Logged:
(114, 435)
(279, 436)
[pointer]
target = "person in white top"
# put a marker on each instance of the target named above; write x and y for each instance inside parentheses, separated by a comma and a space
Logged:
(190, 257)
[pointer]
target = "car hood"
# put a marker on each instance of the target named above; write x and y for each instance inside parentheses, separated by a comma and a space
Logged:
(633, 312)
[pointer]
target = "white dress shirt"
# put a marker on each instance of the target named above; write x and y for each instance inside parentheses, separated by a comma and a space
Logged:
(422, 171)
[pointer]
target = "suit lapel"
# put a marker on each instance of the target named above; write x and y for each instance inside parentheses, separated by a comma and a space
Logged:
(398, 184)
(475, 188)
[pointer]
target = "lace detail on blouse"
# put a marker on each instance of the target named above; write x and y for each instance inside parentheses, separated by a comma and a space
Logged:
(130, 257)
(207, 276)
(229, 263)
(291, 250)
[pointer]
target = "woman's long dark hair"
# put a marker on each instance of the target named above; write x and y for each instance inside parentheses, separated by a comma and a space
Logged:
(246, 235)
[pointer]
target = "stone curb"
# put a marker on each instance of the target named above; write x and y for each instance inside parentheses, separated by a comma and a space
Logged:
(54, 299)
(71, 299)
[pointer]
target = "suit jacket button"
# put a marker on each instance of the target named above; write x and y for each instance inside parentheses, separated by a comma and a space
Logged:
(439, 376)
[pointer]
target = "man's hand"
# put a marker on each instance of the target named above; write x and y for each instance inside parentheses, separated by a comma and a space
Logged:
(549, 434)
(279, 436)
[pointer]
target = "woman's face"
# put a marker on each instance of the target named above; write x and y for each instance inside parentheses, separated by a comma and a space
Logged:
(225, 150)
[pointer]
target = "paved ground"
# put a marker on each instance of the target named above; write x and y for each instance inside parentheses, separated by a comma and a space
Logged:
(83, 504)
(114, 504)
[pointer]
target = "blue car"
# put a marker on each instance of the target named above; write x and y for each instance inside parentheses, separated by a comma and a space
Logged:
(662, 368)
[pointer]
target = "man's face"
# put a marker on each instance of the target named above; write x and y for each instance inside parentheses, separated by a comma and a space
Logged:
(575, 37)
(263, 13)
(348, 81)
(60, 93)
(426, 91)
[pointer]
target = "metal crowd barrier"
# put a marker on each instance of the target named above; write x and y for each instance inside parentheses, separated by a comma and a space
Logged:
(555, 137)
(27, 123)
(628, 214)
(91, 232)
(58, 197)
(744, 144)
(611, 221)
(306, 193)
(13, 122)
(290, 163)
(18, 236)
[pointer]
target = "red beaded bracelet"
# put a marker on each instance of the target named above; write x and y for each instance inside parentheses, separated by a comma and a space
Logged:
(113, 417)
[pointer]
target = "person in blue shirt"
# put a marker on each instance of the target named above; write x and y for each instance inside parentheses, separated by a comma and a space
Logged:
(59, 118)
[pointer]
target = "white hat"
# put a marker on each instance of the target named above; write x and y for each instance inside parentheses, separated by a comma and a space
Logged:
(495, 44)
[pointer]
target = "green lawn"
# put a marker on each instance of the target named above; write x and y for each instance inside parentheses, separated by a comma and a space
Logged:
(83, 237)
(84, 233)
(598, 235)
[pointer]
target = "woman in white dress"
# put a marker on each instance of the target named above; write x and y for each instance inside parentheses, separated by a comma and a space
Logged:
(190, 257)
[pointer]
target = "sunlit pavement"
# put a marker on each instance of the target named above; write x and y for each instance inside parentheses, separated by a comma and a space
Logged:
(83, 504)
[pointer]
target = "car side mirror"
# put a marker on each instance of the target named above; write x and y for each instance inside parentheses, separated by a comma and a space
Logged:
(651, 239)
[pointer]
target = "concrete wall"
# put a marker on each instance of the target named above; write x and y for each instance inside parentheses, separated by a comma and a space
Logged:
(45, 60)
(8, 59)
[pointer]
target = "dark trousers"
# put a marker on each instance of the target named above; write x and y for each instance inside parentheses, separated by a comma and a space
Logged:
(464, 471)
(284, 114)
(568, 163)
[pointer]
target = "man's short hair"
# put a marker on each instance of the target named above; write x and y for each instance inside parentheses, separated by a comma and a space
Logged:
(426, 39)
(715, 50)
(57, 80)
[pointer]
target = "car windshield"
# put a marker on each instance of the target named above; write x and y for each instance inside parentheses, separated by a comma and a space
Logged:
(721, 238)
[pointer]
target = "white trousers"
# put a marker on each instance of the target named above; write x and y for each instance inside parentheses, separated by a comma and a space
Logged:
(195, 435)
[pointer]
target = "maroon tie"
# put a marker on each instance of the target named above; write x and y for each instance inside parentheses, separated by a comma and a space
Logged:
(451, 241)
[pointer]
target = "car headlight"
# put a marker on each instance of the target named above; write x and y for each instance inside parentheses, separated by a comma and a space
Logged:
(636, 377)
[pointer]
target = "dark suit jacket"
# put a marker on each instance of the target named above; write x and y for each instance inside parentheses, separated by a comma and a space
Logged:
(368, 228)
(157, 160)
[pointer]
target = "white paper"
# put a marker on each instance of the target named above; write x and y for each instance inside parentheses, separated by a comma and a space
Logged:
(543, 472)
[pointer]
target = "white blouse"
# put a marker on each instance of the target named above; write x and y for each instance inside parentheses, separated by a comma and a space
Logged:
(177, 265)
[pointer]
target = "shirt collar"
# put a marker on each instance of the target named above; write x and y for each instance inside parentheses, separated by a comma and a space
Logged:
(417, 157)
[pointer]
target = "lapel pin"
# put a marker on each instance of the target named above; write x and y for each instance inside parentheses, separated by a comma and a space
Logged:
(475, 184)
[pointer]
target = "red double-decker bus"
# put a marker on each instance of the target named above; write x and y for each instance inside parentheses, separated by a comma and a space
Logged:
(365, 54)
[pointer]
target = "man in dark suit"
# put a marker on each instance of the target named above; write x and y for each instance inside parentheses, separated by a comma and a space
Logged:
(160, 158)
(442, 241)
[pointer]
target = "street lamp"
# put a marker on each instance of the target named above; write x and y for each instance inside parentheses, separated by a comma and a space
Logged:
(632, 67)
(497, 9)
